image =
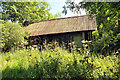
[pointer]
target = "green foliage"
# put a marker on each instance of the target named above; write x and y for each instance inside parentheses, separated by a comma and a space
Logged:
(58, 63)
(58, 15)
(29, 11)
(108, 30)
(107, 15)
(12, 35)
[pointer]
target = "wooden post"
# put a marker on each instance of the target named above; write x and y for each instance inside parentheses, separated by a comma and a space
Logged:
(87, 35)
(83, 35)
(90, 35)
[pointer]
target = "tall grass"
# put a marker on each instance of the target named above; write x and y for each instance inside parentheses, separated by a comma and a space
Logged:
(58, 63)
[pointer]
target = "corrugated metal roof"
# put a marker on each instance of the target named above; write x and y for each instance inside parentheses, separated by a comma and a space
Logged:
(62, 25)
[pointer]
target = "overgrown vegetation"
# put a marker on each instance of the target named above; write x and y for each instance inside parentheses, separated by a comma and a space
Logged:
(12, 35)
(107, 15)
(55, 61)
(58, 63)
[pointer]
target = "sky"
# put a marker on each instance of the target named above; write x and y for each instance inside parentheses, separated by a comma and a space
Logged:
(57, 6)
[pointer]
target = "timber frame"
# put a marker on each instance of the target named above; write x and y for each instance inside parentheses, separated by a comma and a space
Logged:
(66, 30)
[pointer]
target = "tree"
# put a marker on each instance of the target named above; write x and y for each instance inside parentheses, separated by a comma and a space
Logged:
(57, 15)
(107, 15)
(26, 11)
(12, 34)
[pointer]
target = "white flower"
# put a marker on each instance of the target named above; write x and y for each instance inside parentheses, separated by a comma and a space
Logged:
(86, 41)
(86, 45)
(32, 48)
(90, 41)
(83, 41)
(117, 52)
(79, 49)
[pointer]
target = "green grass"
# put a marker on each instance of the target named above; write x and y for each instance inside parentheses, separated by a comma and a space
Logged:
(58, 63)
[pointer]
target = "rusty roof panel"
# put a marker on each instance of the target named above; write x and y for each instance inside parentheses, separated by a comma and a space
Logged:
(71, 24)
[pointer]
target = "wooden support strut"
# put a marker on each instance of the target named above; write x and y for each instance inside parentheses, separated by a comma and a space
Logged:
(83, 35)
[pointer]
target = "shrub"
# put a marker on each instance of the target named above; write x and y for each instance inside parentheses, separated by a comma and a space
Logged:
(12, 35)
(58, 63)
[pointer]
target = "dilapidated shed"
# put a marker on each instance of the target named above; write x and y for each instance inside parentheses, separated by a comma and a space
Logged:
(68, 29)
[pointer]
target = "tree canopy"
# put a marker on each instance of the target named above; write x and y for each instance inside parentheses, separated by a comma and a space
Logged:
(26, 11)
(23, 13)
(107, 15)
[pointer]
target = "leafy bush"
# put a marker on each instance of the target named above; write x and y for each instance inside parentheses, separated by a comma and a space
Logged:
(58, 63)
(108, 21)
(107, 15)
(12, 35)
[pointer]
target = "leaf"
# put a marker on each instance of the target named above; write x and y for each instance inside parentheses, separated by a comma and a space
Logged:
(14, 7)
(108, 18)
(31, 11)
(101, 26)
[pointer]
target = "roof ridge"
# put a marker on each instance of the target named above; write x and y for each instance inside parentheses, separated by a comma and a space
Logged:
(61, 18)
(60, 25)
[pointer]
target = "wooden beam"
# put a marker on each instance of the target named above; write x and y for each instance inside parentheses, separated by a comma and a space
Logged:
(83, 35)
